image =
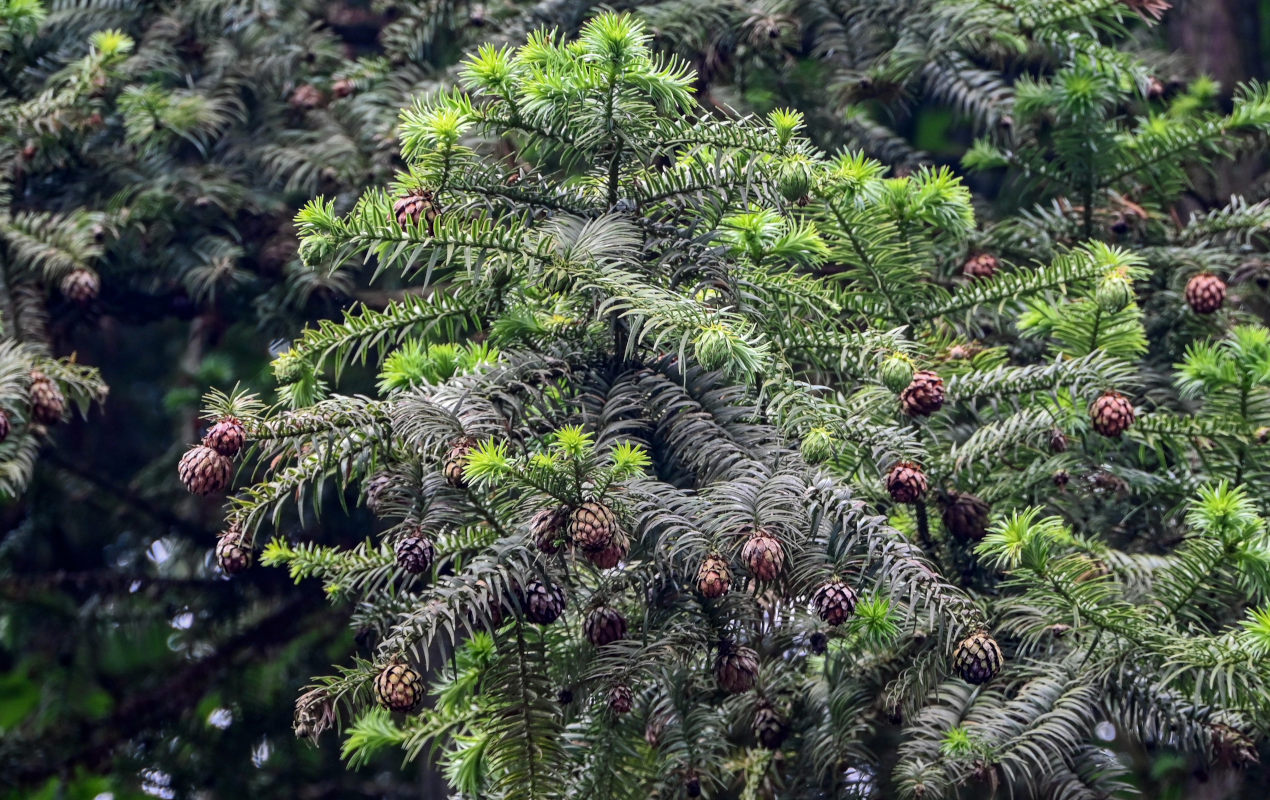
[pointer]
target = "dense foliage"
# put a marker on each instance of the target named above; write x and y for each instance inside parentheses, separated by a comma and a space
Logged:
(716, 464)
(796, 399)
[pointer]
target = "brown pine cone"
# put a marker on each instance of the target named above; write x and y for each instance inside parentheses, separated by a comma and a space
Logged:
(205, 471)
(81, 286)
(1112, 414)
(978, 658)
(620, 700)
(714, 579)
(547, 528)
(770, 728)
(398, 688)
(410, 208)
(1058, 441)
(604, 625)
(542, 603)
(1205, 293)
(619, 547)
(834, 602)
(924, 396)
(47, 402)
(736, 668)
(980, 265)
(592, 526)
(456, 461)
(306, 97)
(415, 554)
(906, 483)
(1061, 478)
(764, 556)
(232, 553)
(965, 516)
(226, 437)
(343, 87)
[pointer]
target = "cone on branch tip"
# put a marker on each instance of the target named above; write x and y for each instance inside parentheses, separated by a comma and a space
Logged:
(714, 578)
(770, 728)
(398, 688)
(924, 395)
(592, 526)
(204, 471)
(980, 265)
(418, 205)
(543, 603)
(896, 372)
(764, 556)
(978, 658)
(226, 437)
(964, 515)
(1205, 293)
(1058, 441)
(736, 667)
(232, 553)
(47, 402)
(415, 554)
(547, 526)
(620, 698)
(456, 461)
(1112, 414)
(604, 625)
(906, 483)
(81, 286)
(834, 602)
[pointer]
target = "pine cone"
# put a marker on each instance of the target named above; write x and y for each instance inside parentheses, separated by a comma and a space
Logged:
(620, 700)
(232, 554)
(619, 547)
(5, 426)
(415, 554)
(834, 602)
(764, 556)
(924, 396)
(592, 526)
(398, 688)
(1205, 293)
(205, 471)
(1058, 441)
(736, 668)
(692, 785)
(47, 402)
(226, 437)
(547, 528)
(1149, 10)
(965, 516)
(456, 461)
(410, 208)
(306, 97)
(542, 603)
(770, 728)
(980, 265)
(1112, 414)
(978, 658)
(375, 493)
(81, 286)
(906, 483)
(714, 578)
(1061, 478)
(604, 625)
(819, 643)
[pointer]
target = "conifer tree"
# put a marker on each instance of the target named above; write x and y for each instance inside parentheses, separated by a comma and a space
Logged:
(712, 464)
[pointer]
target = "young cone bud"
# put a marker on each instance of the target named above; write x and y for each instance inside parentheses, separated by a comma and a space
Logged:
(714, 578)
(398, 688)
(1114, 294)
(1112, 414)
(226, 437)
(978, 658)
(906, 483)
(896, 372)
(924, 395)
(1205, 293)
(205, 471)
